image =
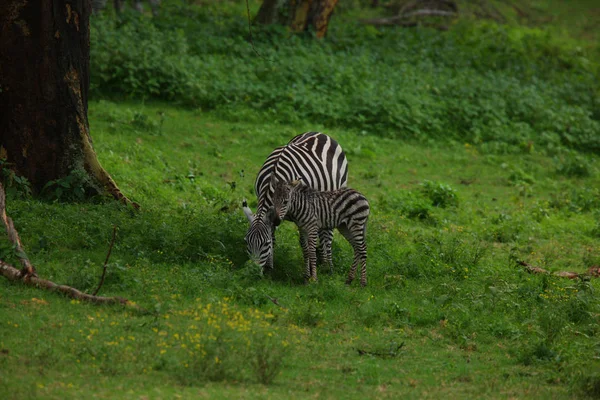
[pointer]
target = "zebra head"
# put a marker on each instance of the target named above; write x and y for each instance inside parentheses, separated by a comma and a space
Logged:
(282, 193)
(260, 236)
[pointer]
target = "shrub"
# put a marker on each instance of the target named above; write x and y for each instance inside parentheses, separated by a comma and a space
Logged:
(440, 194)
(223, 343)
(14, 185)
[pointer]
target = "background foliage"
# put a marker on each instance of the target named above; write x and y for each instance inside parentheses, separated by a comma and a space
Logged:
(475, 148)
(504, 87)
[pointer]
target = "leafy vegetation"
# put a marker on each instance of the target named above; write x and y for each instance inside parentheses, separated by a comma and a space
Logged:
(493, 176)
(502, 88)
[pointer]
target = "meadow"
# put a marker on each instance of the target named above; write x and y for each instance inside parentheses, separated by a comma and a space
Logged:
(480, 156)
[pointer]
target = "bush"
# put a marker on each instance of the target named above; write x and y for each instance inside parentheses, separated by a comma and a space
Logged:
(440, 194)
(222, 343)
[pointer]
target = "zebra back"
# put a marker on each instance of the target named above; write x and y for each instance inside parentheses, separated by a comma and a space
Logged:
(304, 205)
(312, 156)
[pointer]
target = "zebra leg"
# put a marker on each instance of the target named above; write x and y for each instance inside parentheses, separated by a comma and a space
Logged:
(312, 252)
(362, 254)
(308, 242)
(270, 265)
(356, 238)
(304, 246)
(325, 239)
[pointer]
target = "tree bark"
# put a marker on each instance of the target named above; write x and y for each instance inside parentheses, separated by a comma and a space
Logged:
(320, 14)
(44, 81)
(302, 15)
(298, 14)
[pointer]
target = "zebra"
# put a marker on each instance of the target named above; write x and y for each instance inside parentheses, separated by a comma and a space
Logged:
(345, 209)
(315, 158)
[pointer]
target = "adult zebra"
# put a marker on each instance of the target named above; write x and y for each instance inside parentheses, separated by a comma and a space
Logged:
(316, 159)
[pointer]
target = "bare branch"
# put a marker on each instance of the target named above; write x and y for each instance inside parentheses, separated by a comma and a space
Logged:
(250, 31)
(13, 235)
(383, 21)
(13, 274)
(400, 19)
(112, 243)
(435, 13)
(274, 300)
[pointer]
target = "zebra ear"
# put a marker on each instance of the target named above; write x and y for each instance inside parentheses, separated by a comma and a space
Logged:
(247, 211)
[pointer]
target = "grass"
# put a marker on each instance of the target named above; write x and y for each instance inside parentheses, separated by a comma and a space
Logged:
(465, 144)
(449, 223)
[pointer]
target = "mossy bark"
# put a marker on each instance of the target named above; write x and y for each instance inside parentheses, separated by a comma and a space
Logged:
(44, 81)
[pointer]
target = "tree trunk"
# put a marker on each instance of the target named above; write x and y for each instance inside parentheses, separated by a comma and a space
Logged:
(298, 14)
(44, 81)
(267, 14)
(302, 15)
(319, 15)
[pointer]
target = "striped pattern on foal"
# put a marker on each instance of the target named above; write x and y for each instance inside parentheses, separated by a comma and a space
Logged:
(345, 209)
(315, 158)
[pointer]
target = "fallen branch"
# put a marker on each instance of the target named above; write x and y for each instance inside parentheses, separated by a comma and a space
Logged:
(383, 21)
(411, 5)
(28, 275)
(428, 13)
(274, 300)
(399, 20)
(112, 243)
(13, 274)
(593, 271)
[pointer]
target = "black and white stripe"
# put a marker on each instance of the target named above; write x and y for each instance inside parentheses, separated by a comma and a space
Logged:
(315, 158)
(345, 209)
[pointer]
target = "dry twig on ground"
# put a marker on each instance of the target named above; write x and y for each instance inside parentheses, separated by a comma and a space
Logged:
(29, 276)
(593, 271)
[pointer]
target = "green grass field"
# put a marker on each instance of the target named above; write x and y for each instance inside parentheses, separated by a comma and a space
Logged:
(447, 312)
(476, 147)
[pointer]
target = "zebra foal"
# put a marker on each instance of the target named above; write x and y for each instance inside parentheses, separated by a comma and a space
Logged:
(345, 209)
